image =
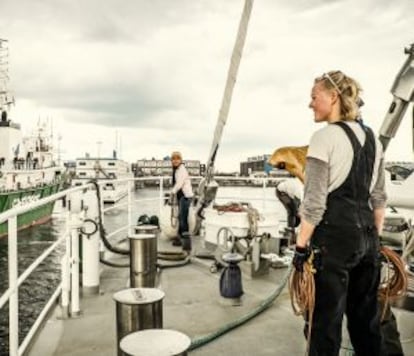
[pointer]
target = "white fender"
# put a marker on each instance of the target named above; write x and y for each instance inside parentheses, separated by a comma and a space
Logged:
(167, 229)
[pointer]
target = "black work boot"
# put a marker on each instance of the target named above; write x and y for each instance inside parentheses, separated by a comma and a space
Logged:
(176, 241)
(186, 242)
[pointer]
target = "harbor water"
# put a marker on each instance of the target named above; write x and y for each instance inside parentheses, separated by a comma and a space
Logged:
(37, 289)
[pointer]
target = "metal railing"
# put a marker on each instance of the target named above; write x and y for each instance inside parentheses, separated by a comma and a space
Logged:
(12, 293)
(68, 288)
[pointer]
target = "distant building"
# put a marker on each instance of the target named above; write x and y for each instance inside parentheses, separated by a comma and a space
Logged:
(162, 167)
(70, 164)
(258, 165)
(254, 164)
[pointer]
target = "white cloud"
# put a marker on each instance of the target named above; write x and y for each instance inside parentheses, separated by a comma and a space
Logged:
(155, 71)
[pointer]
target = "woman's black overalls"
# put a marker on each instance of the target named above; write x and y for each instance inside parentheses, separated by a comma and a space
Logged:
(348, 279)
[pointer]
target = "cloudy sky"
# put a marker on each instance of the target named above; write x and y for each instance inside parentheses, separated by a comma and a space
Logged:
(153, 72)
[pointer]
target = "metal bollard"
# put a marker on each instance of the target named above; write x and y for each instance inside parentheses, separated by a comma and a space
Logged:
(143, 257)
(231, 288)
(137, 309)
(146, 229)
(160, 342)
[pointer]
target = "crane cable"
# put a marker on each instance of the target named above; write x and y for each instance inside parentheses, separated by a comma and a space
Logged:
(205, 198)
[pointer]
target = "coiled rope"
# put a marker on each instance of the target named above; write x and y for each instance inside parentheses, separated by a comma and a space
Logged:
(395, 282)
(302, 287)
(302, 294)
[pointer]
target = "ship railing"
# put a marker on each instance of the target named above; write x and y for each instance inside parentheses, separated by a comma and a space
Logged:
(68, 288)
(11, 295)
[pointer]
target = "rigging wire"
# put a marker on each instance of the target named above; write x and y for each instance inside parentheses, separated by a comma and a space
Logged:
(206, 196)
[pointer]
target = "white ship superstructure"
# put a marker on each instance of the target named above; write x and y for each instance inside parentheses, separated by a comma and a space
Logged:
(105, 171)
(26, 162)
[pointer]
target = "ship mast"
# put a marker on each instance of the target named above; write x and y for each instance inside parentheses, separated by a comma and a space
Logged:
(5, 98)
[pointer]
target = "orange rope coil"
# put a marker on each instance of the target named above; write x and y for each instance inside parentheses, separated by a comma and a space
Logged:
(395, 282)
(302, 294)
(392, 286)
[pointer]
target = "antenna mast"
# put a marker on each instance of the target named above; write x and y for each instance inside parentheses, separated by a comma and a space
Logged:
(5, 98)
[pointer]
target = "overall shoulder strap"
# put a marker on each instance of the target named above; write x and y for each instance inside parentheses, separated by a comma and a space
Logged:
(351, 135)
(370, 137)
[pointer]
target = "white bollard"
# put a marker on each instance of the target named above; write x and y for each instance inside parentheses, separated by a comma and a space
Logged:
(65, 286)
(90, 245)
(75, 224)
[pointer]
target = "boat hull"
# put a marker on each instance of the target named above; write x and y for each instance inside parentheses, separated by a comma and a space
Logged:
(33, 217)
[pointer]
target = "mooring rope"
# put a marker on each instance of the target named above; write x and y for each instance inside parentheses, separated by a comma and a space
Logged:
(302, 295)
(395, 281)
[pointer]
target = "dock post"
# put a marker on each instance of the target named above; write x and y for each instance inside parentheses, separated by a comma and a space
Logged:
(147, 229)
(137, 309)
(143, 257)
(90, 246)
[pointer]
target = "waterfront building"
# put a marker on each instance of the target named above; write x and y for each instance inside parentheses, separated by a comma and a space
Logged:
(162, 167)
(257, 165)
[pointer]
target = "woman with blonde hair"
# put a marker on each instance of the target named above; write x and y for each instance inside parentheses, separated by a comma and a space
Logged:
(342, 215)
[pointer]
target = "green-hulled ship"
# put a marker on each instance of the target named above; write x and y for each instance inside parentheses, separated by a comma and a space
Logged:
(28, 171)
(34, 217)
